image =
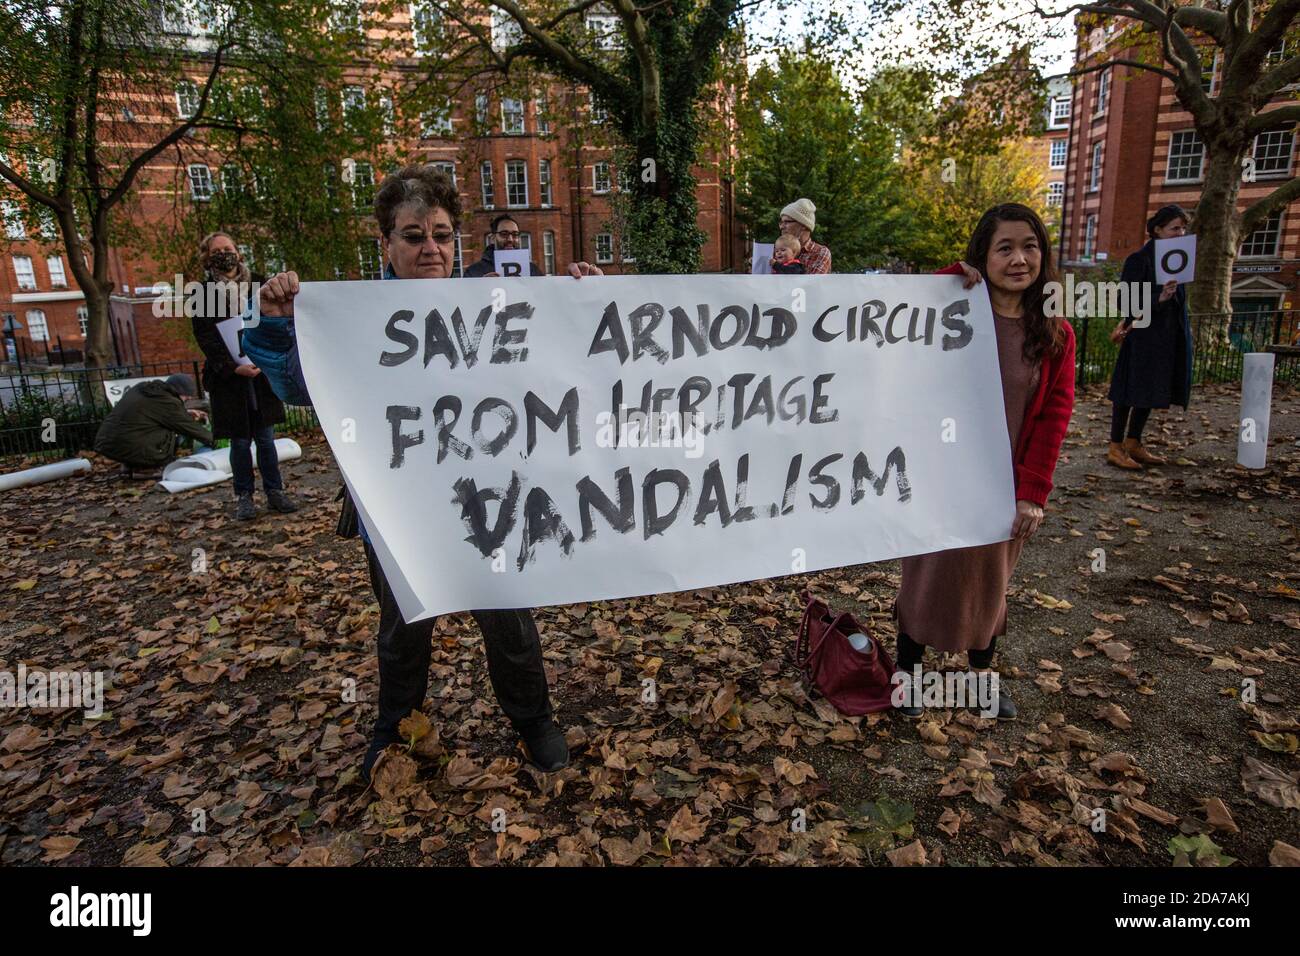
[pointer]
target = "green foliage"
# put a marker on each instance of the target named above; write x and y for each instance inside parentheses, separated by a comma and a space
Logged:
(803, 134)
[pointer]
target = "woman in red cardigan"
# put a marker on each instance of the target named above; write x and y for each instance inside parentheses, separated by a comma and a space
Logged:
(957, 600)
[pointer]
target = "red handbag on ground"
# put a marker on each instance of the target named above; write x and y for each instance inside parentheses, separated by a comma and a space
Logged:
(855, 682)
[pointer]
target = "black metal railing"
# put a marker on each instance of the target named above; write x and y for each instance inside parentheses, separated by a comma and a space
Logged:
(47, 415)
(1220, 340)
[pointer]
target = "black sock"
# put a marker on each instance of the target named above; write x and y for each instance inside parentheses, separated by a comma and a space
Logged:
(909, 653)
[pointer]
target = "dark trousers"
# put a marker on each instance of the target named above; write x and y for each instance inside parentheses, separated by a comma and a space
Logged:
(241, 461)
(910, 654)
(514, 655)
(1125, 415)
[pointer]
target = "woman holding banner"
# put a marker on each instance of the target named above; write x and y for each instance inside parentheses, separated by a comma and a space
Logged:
(1154, 365)
(957, 600)
(419, 215)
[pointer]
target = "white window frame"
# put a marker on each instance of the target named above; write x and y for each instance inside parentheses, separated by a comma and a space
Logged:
(1055, 193)
(597, 114)
(58, 275)
(505, 30)
(1058, 118)
(437, 124)
(232, 181)
(1179, 150)
(512, 120)
(447, 166)
(544, 182)
(482, 109)
(1282, 173)
(486, 188)
(363, 178)
(1064, 151)
(1277, 239)
(423, 11)
(541, 107)
(606, 256)
(187, 94)
(518, 165)
(15, 227)
(1103, 93)
(1090, 237)
(1094, 173)
(389, 113)
(364, 248)
(596, 178)
(548, 252)
(197, 173)
(604, 30)
(35, 316)
(24, 273)
(83, 320)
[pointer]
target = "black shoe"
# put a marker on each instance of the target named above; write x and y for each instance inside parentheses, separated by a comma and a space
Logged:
(912, 709)
(244, 508)
(279, 501)
(545, 747)
(377, 746)
(1007, 709)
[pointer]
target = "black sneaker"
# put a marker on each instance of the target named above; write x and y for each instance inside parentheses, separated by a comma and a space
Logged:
(545, 747)
(277, 500)
(244, 508)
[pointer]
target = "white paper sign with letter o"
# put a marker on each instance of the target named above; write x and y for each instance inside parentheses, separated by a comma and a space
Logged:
(1175, 259)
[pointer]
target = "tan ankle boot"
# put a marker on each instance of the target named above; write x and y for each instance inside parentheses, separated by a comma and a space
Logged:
(1117, 456)
(1133, 448)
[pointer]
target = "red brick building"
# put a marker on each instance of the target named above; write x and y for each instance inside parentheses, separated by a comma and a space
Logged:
(539, 158)
(1133, 148)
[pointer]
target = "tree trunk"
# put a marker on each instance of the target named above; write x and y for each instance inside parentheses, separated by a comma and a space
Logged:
(99, 344)
(1217, 239)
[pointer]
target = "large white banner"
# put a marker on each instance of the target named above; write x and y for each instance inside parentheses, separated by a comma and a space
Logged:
(802, 423)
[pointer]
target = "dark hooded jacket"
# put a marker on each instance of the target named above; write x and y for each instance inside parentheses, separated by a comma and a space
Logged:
(141, 430)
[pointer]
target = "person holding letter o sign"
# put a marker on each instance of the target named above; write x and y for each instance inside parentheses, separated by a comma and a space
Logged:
(956, 600)
(418, 210)
(1154, 365)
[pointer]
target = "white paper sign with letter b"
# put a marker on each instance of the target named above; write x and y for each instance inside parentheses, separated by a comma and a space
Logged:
(1175, 259)
(512, 263)
(628, 435)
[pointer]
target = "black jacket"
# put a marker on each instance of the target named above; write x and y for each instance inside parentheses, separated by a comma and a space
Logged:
(141, 429)
(239, 404)
(1154, 365)
(488, 264)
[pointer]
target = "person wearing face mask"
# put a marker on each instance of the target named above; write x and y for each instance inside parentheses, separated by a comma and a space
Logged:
(418, 211)
(1154, 366)
(244, 408)
(505, 235)
(956, 600)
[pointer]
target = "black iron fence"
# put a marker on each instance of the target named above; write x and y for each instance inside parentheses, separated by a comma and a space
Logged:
(48, 415)
(1219, 342)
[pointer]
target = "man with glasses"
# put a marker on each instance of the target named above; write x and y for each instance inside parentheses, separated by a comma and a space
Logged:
(799, 219)
(505, 235)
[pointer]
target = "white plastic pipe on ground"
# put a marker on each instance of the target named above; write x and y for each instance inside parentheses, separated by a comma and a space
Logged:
(43, 473)
(213, 467)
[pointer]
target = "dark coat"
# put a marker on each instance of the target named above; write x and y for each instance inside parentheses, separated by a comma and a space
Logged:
(1154, 365)
(488, 264)
(141, 429)
(239, 404)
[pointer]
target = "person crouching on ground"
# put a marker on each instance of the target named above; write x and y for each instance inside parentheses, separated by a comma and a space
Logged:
(145, 427)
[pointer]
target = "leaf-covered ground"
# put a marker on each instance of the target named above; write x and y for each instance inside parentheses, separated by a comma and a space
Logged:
(227, 693)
